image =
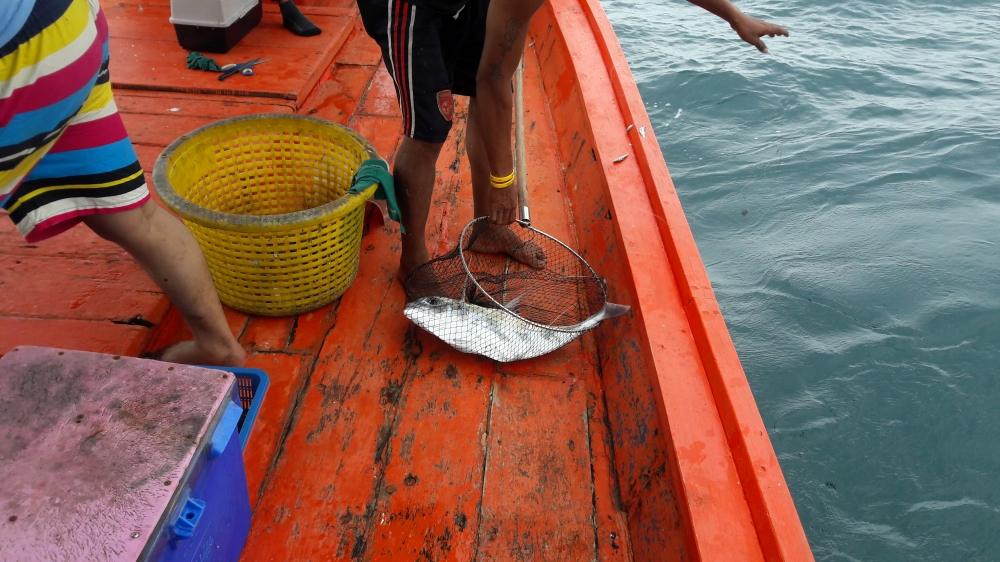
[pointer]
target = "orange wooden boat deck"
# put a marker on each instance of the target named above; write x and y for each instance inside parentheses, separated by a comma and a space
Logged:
(641, 441)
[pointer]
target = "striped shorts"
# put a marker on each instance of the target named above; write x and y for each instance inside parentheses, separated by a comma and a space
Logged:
(64, 152)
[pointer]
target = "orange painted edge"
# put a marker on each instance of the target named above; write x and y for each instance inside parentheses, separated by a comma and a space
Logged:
(778, 526)
(715, 518)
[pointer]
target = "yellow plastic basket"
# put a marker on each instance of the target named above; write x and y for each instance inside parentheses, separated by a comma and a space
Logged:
(267, 197)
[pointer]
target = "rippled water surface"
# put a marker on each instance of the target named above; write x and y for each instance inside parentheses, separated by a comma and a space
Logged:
(844, 193)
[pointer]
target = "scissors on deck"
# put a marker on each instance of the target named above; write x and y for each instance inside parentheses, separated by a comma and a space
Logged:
(243, 68)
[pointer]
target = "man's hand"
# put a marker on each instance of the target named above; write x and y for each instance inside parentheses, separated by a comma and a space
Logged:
(752, 29)
(749, 29)
(503, 205)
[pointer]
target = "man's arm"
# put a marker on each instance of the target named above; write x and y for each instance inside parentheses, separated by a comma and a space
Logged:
(506, 29)
(749, 29)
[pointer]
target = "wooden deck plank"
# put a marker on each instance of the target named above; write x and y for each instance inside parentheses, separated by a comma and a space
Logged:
(315, 505)
(332, 4)
(287, 374)
(436, 462)
(196, 105)
(438, 449)
(381, 132)
(538, 499)
(268, 334)
(78, 241)
(293, 66)
(158, 131)
(576, 363)
(359, 49)
(90, 288)
(337, 96)
(610, 518)
(156, 119)
(147, 159)
(72, 333)
(311, 329)
(380, 99)
(552, 213)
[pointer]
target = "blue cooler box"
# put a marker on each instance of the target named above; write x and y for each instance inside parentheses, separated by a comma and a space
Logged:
(210, 518)
(113, 458)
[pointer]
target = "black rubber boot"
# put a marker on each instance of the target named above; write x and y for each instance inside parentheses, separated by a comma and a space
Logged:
(296, 22)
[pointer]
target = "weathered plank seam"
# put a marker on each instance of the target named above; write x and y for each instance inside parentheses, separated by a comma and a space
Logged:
(293, 416)
(593, 481)
(616, 492)
(383, 452)
(486, 463)
(291, 332)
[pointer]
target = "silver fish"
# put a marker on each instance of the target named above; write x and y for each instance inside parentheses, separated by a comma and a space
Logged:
(495, 333)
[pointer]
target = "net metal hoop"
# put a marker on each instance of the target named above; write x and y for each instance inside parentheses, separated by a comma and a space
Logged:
(466, 233)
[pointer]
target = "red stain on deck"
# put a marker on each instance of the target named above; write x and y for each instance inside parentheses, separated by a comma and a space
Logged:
(377, 441)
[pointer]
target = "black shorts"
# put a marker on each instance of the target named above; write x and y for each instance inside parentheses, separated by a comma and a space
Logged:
(431, 55)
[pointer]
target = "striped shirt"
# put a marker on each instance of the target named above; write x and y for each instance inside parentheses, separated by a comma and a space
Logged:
(64, 152)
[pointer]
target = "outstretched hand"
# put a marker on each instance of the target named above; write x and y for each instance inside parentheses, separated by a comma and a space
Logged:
(752, 29)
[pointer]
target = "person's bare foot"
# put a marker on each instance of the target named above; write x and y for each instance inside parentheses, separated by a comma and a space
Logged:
(194, 353)
(414, 255)
(493, 239)
(423, 281)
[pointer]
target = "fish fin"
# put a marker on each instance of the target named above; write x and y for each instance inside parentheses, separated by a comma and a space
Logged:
(612, 310)
(513, 303)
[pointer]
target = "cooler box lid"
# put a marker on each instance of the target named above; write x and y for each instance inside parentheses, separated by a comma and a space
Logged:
(93, 449)
(209, 13)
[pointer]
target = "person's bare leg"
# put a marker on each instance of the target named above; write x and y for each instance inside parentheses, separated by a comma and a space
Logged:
(490, 238)
(171, 256)
(414, 173)
(506, 30)
(480, 165)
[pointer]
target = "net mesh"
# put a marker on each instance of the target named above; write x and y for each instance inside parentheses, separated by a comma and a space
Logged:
(529, 300)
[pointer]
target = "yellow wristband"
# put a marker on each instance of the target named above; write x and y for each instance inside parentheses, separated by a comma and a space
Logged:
(502, 182)
(502, 178)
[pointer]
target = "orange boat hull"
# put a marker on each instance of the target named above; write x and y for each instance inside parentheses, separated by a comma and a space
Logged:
(640, 441)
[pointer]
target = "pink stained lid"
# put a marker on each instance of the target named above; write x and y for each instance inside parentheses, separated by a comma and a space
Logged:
(92, 449)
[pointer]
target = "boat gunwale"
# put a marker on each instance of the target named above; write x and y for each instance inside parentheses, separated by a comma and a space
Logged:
(777, 525)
